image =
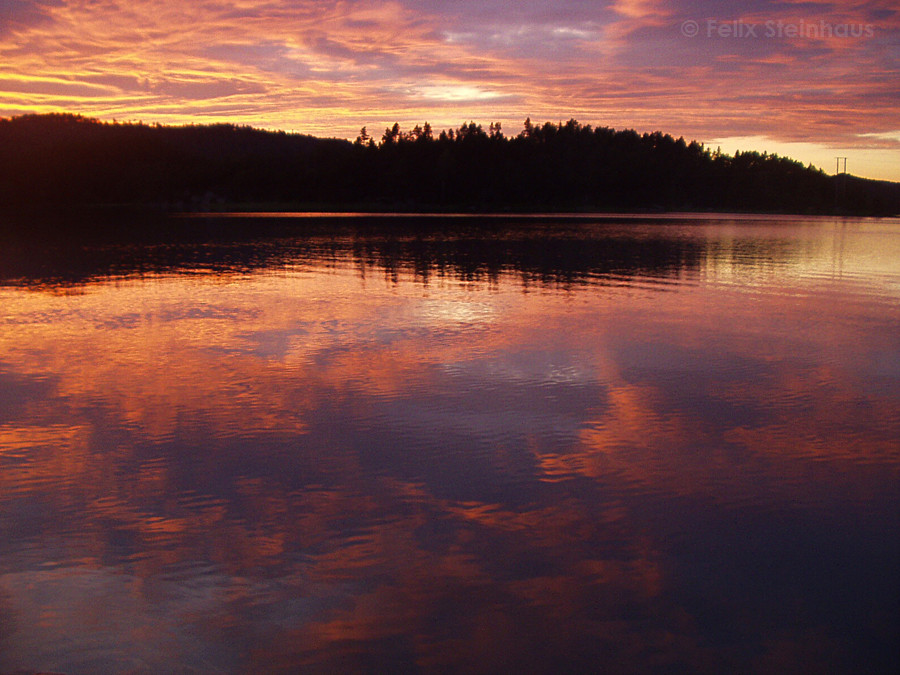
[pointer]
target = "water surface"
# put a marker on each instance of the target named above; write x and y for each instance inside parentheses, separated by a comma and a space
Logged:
(638, 445)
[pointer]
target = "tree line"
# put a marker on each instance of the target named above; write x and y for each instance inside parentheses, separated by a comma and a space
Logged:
(63, 159)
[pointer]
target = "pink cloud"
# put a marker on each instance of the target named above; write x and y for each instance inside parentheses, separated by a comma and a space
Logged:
(332, 66)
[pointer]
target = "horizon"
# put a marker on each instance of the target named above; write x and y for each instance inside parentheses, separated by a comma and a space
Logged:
(376, 135)
(807, 81)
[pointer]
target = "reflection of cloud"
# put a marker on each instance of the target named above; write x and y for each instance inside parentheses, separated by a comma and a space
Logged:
(250, 458)
(443, 312)
(103, 610)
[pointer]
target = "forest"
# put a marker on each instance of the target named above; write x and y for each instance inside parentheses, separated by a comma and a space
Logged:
(60, 160)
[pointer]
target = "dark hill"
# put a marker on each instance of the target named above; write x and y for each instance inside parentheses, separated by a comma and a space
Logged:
(62, 160)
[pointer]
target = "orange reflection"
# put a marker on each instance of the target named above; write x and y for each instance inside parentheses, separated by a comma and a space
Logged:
(258, 451)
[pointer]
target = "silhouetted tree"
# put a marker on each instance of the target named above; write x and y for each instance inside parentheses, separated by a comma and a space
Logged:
(363, 138)
(68, 159)
(391, 135)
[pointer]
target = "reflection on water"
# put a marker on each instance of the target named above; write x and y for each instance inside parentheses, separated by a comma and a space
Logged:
(537, 446)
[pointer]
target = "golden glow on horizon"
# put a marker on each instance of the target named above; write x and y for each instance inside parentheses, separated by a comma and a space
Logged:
(873, 159)
(329, 67)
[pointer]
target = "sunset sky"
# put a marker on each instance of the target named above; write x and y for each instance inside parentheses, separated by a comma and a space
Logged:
(813, 80)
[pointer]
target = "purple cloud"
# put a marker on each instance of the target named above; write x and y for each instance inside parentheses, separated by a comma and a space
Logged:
(16, 15)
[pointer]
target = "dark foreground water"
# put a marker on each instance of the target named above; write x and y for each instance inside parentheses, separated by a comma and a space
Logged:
(618, 446)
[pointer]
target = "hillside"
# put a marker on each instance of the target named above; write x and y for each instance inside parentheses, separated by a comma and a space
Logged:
(61, 160)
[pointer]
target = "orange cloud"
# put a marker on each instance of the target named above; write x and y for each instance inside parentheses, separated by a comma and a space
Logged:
(331, 67)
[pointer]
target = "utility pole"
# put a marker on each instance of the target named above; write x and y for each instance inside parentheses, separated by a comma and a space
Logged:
(840, 182)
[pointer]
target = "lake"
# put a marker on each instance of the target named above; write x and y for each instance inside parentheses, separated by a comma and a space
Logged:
(600, 444)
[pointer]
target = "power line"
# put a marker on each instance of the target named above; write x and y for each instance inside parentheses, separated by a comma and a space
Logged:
(840, 182)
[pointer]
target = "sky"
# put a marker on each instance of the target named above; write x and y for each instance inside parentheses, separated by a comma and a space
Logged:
(808, 79)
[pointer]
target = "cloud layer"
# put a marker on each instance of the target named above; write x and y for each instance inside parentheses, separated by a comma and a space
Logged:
(820, 73)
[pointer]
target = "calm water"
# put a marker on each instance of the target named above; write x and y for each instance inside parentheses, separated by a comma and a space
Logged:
(477, 446)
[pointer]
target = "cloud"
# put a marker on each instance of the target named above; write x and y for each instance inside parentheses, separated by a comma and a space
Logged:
(451, 92)
(17, 15)
(336, 65)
